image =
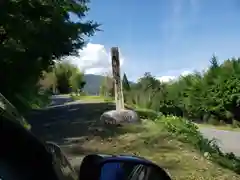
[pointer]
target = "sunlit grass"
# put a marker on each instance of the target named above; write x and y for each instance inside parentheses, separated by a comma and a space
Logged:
(92, 98)
(153, 142)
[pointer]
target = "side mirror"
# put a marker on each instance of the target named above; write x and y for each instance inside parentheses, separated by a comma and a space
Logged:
(108, 167)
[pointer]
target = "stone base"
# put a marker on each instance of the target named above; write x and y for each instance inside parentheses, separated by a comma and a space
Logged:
(120, 117)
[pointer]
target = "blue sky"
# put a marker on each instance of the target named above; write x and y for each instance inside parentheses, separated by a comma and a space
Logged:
(167, 37)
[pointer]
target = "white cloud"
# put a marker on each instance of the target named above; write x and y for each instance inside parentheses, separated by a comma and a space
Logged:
(166, 78)
(185, 73)
(171, 78)
(94, 59)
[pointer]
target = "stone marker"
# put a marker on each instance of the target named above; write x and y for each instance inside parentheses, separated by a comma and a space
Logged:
(120, 115)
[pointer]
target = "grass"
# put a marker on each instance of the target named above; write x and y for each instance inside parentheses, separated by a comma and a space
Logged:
(220, 127)
(92, 98)
(153, 142)
(173, 143)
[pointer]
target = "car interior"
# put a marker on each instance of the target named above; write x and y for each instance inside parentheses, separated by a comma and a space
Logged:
(22, 155)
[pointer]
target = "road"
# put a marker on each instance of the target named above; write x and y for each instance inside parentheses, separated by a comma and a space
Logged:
(67, 124)
(227, 140)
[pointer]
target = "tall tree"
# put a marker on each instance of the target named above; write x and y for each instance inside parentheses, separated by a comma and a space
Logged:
(107, 86)
(33, 35)
(212, 96)
(214, 62)
(125, 83)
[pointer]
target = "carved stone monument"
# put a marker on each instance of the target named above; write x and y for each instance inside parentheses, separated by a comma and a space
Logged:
(119, 99)
(120, 115)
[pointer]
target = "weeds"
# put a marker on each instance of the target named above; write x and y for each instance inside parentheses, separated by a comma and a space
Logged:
(186, 131)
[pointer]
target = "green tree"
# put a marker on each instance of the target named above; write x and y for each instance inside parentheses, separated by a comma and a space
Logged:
(125, 83)
(107, 86)
(211, 96)
(76, 82)
(33, 35)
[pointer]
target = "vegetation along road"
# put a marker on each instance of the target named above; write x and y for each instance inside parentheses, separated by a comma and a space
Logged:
(70, 123)
(227, 140)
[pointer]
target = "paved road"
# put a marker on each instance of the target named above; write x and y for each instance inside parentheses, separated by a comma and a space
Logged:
(67, 123)
(227, 140)
(60, 100)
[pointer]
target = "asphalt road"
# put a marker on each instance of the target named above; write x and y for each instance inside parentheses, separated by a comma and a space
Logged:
(227, 140)
(67, 123)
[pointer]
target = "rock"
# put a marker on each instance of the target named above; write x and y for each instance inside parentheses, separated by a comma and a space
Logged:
(119, 117)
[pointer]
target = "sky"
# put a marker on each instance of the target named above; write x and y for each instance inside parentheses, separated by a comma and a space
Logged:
(167, 38)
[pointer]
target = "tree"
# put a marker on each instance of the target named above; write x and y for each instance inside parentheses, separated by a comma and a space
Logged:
(76, 82)
(125, 83)
(107, 86)
(214, 62)
(65, 76)
(33, 35)
(212, 96)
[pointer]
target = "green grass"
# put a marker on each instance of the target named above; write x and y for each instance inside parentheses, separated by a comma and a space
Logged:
(92, 98)
(152, 141)
(172, 142)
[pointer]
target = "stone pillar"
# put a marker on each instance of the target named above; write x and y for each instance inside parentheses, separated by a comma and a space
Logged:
(120, 116)
(117, 79)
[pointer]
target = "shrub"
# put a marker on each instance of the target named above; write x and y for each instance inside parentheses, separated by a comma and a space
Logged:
(235, 124)
(187, 132)
(212, 120)
(148, 114)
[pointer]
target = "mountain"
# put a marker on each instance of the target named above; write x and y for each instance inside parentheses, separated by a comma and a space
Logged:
(93, 83)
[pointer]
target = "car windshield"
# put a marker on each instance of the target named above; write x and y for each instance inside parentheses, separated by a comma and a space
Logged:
(132, 77)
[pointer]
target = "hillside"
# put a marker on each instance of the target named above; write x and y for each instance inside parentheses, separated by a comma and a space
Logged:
(93, 83)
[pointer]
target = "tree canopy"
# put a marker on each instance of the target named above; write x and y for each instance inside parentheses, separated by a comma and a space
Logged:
(34, 35)
(210, 96)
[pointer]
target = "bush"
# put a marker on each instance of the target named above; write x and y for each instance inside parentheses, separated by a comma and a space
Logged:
(148, 114)
(108, 99)
(187, 132)
(235, 124)
(212, 120)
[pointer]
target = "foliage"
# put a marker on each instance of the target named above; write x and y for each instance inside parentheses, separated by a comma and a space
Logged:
(187, 132)
(65, 77)
(125, 83)
(147, 113)
(107, 86)
(211, 96)
(33, 35)
(144, 92)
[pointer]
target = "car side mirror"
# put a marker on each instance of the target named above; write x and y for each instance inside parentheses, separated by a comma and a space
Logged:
(108, 167)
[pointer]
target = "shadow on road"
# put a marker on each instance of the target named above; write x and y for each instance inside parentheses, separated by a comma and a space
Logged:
(69, 124)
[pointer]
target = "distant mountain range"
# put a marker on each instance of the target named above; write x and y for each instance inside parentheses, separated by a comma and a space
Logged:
(93, 83)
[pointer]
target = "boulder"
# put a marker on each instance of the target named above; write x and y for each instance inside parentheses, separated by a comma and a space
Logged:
(120, 117)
